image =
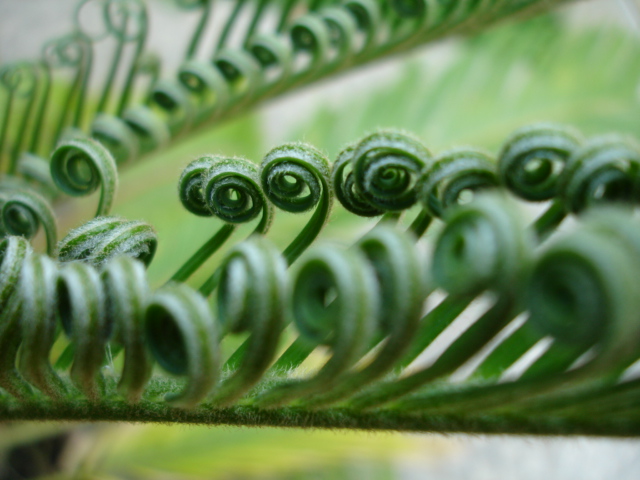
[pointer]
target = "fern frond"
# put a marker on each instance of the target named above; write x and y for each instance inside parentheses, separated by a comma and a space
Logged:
(336, 341)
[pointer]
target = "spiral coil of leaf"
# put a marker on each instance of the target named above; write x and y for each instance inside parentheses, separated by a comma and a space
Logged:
(182, 337)
(446, 179)
(249, 62)
(80, 165)
(481, 247)
(605, 169)
(253, 270)
(35, 291)
(345, 323)
(295, 178)
(533, 158)
(23, 211)
(603, 321)
(117, 136)
(386, 166)
(607, 316)
(466, 261)
(225, 187)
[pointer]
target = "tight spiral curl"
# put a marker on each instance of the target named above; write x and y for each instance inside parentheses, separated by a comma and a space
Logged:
(295, 178)
(534, 157)
(580, 289)
(604, 169)
(80, 165)
(386, 166)
(252, 296)
(483, 245)
(448, 176)
(173, 326)
(335, 303)
(228, 188)
(23, 211)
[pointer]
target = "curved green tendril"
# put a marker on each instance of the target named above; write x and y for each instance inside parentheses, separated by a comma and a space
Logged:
(604, 169)
(126, 285)
(182, 337)
(346, 322)
(81, 301)
(401, 274)
(252, 296)
(80, 165)
(22, 211)
(295, 178)
(117, 136)
(37, 292)
(225, 187)
(386, 166)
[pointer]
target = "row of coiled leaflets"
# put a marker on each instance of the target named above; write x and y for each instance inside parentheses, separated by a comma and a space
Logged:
(501, 322)
(491, 323)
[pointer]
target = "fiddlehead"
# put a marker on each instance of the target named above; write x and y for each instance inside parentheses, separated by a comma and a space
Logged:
(311, 35)
(295, 178)
(342, 179)
(23, 211)
(150, 130)
(531, 164)
(207, 85)
(252, 296)
(38, 301)
(533, 159)
(229, 189)
(81, 301)
(274, 54)
(452, 174)
(401, 275)
(182, 337)
(335, 302)
(483, 246)
(125, 283)
(605, 169)
(170, 101)
(103, 238)
(452, 178)
(117, 136)
(584, 279)
(241, 71)
(385, 168)
(80, 165)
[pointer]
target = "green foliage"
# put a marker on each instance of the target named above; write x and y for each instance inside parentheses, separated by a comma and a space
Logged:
(283, 351)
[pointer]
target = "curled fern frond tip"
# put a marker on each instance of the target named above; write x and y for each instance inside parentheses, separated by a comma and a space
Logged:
(79, 166)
